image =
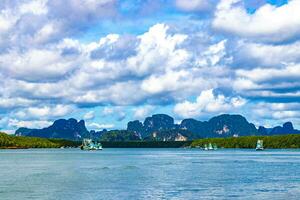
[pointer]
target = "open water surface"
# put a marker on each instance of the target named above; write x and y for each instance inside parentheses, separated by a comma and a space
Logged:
(54, 174)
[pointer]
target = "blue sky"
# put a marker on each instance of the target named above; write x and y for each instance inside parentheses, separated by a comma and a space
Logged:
(110, 61)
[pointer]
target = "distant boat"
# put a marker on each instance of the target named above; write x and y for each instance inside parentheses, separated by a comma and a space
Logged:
(205, 147)
(89, 144)
(259, 145)
(210, 147)
(215, 146)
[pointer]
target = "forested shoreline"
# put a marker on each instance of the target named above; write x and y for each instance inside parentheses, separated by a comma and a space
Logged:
(271, 142)
(279, 141)
(20, 142)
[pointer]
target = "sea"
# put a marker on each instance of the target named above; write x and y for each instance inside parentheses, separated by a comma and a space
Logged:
(132, 173)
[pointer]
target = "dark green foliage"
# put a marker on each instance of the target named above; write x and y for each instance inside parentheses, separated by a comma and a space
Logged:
(146, 144)
(66, 143)
(119, 135)
(10, 141)
(280, 141)
(170, 135)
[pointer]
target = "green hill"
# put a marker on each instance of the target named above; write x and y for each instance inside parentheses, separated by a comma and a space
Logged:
(10, 141)
(281, 141)
(272, 142)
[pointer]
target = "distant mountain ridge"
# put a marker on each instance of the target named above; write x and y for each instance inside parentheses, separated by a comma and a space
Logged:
(70, 129)
(287, 128)
(160, 127)
(219, 126)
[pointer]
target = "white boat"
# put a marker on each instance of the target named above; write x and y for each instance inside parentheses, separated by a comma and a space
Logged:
(89, 144)
(210, 147)
(215, 146)
(259, 145)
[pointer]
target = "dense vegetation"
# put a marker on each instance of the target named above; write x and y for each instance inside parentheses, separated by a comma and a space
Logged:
(9, 141)
(119, 135)
(171, 135)
(280, 141)
(146, 144)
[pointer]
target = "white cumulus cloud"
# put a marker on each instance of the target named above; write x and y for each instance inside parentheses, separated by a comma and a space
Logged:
(207, 102)
(97, 126)
(267, 23)
(141, 112)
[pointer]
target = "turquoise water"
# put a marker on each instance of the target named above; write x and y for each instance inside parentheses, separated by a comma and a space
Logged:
(149, 174)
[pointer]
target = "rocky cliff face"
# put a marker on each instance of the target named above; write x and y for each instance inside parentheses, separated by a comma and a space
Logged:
(230, 125)
(159, 122)
(160, 127)
(136, 127)
(119, 136)
(70, 129)
(219, 126)
(171, 135)
(286, 128)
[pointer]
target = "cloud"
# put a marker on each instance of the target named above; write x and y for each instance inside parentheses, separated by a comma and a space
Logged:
(142, 112)
(89, 115)
(116, 112)
(214, 54)
(207, 102)
(37, 23)
(38, 7)
(97, 126)
(62, 56)
(15, 123)
(160, 56)
(158, 48)
(164, 83)
(285, 73)
(116, 48)
(265, 55)
(36, 65)
(277, 84)
(193, 5)
(13, 103)
(268, 23)
(82, 13)
(45, 112)
(278, 111)
(96, 81)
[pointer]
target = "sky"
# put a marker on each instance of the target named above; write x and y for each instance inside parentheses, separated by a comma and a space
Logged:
(109, 61)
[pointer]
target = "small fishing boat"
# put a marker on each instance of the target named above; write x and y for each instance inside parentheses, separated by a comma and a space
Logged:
(215, 146)
(209, 147)
(259, 145)
(89, 144)
(205, 147)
